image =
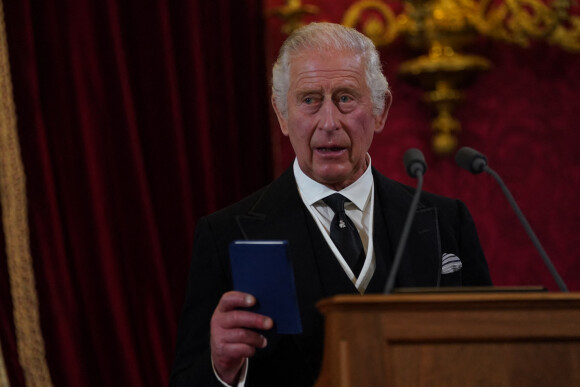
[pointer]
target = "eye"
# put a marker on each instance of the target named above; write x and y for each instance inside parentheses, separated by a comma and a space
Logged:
(344, 99)
(311, 100)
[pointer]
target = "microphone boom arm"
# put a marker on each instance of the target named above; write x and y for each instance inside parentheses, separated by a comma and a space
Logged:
(405, 234)
(528, 229)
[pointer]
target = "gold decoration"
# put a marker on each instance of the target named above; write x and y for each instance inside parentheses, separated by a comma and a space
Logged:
(441, 73)
(3, 374)
(382, 31)
(442, 27)
(29, 341)
(292, 13)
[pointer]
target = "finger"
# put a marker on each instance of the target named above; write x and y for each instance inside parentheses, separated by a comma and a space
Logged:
(240, 336)
(227, 316)
(242, 319)
(234, 299)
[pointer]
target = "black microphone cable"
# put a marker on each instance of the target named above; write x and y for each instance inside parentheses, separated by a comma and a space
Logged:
(475, 162)
(416, 166)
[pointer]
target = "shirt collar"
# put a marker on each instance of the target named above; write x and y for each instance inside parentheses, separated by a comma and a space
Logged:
(312, 191)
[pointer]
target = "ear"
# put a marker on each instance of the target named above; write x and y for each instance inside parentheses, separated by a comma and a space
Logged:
(381, 118)
(281, 120)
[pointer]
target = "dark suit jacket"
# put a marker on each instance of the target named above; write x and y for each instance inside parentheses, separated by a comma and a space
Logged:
(441, 225)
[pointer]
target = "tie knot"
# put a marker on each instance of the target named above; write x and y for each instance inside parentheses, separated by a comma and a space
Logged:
(336, 202)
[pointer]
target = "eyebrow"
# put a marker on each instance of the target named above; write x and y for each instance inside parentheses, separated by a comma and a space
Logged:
(341, 89)
(307, 90)
(301, 93)
(350, 90)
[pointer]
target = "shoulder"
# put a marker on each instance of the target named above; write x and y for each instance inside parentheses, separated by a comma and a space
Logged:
(266, 196)
(447, 207)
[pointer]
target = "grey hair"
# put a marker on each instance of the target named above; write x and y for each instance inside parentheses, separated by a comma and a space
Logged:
(324, 36)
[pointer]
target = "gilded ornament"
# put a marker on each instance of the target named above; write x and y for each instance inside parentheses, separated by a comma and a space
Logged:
(292, 14)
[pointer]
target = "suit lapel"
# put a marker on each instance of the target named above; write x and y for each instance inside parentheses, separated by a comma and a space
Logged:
(279, 214)
(421, 263)
(422, 255)
(383, 247)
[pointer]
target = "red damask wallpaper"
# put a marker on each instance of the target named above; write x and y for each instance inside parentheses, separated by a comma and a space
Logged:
(523, 114)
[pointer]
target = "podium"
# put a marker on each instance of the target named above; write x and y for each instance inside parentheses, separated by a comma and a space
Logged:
(452, 339)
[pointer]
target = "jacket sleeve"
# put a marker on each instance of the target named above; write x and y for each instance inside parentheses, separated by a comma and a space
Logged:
(208, 279)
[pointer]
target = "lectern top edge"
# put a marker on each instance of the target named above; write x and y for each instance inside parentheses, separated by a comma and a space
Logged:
(466, 300)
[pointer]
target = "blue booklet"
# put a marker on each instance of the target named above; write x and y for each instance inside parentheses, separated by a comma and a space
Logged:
(264, 269)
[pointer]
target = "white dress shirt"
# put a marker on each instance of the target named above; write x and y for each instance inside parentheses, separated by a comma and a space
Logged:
(360, 210)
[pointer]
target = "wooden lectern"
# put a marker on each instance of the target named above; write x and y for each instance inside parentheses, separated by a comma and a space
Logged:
(452, 339)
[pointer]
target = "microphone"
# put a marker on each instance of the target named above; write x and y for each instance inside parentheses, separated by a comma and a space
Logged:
(416, 166)
(475, 162)
(414, 162)
(470, 159)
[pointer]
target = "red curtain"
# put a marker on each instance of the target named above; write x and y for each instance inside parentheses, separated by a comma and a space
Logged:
(134, 120)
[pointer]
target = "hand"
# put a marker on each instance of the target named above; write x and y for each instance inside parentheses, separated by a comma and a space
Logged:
(232, 340)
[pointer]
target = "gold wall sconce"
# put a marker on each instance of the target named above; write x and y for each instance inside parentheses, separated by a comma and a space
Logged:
(292, 14)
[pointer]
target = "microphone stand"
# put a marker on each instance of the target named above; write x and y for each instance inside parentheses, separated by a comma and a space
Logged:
(528, 229)
(415, 170)
(475, 162)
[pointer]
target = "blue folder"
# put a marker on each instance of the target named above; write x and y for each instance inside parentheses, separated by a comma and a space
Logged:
(264, 269)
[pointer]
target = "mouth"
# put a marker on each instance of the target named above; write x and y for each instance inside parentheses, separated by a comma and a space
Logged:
(332, 149)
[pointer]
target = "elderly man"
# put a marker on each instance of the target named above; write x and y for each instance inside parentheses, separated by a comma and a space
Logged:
(331, 98)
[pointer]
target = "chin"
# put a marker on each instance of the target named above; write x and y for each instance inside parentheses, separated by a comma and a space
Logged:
(332, 178)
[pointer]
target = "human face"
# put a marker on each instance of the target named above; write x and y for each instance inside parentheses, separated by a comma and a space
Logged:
(330, 119)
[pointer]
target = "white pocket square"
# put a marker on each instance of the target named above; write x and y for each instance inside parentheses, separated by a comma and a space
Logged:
(450, 263)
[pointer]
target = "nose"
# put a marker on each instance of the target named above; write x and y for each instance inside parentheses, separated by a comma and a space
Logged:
(329, 114)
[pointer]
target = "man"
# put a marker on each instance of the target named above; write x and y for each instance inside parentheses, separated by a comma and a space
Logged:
(330, 97)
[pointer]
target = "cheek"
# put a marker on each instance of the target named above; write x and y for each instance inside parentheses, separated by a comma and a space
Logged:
(301, 129)
(363, 129)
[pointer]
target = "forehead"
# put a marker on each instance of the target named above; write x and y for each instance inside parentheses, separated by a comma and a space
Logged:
(315, 68)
